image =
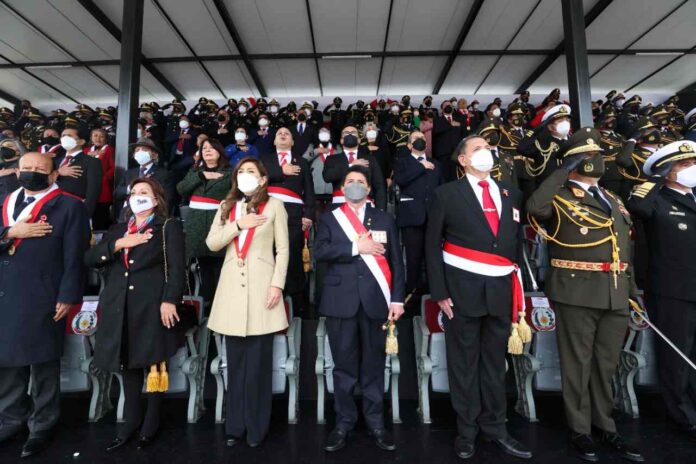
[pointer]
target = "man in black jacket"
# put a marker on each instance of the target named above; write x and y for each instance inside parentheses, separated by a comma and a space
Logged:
(79, 174)
(303, 132)
(473, 240)
(447, 133)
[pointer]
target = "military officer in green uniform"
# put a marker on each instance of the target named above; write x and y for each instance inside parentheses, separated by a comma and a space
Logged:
(504, 167)
(589, 284)
(613, 145)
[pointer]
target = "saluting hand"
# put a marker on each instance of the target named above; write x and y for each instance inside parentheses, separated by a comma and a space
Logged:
(25, 229)
(251, 220)
(446, 307)
(367, 246)
(61, 311)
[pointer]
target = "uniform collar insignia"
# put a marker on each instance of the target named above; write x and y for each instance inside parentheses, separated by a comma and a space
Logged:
(578, 192)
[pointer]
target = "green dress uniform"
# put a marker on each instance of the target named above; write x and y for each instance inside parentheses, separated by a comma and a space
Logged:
(510, 137)
(589, 283)
(504, 167)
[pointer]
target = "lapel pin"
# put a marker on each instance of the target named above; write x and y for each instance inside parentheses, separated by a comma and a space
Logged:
(506, 193)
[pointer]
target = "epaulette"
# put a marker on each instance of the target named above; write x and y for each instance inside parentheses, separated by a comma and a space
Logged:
(643, 189)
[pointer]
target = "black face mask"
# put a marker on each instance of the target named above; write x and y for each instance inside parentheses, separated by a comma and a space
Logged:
(592, 167)
(493, 139)
(525, 99)
(448, 109)
(369, 117)
(221, 118)
(359, 105)
(350, 141)
(7, 153)
(428, 102)
(33, 181)
(51, 140)
(302, 117)
(419, 144)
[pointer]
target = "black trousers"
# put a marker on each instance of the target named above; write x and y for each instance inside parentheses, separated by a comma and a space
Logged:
(357, 346)
(295, 282)
(211, 267)
(476, 348)
(249, 386)
(41, 410)
(677, 320)
(413, 239)
(133, 380)
(102, 217)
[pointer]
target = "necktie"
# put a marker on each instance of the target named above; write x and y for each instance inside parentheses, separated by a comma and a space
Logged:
(301, 131)
(420, 158)
(66, 160)
(449, 119)
(606, 207)
(143, 171)
(283, 159)
(351, 157)
(27, 201)
(180, 143)
(489, 209)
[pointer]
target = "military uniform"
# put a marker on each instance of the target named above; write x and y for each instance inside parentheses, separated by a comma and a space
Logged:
(504, 167)
(613, 144)
(541, 146)
(589, 283)
(663, 115)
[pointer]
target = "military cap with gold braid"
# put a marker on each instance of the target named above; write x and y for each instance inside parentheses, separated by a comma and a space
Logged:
(516, 108)
(585, 140)
(558, 111)
(634, 100)
(659, 111)
(659, 163)
(489, 124)
(4, 111)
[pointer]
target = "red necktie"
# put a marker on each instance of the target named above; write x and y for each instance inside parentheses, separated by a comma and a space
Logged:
(180, 143)
(489, 209)
(66, 160)
(283, 159)
(351, 157)
(449, 119)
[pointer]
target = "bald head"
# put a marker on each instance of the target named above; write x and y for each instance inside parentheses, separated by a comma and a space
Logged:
(36, 172)
(35, 161)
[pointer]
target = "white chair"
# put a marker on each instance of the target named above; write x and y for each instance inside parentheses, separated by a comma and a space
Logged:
(286, 366)
(324, 366)
(186, 368)
(77, 371)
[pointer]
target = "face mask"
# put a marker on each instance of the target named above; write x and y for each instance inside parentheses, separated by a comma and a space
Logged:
(419, 144)
(308, 112)
(354, 192)
(324, 136)
(247, 183)
(428, 102)
(395, 109)
(240, 136)
(263, 122)
(142, 157)
(33, 181)
(183, 124)
(482, 160)
(563, 128)
(592, 167)
(371, 134)
(139, 133)
(493, 139)
(140, 203)
(350, 141)
(448, 109)
(7, 153)
(525, 99)
(242, 109)
(496, 112)
(274, 109)
(301, 117)
(619, 102)
(517, 121)
(68, 142)
(221, 117)
(687, 177)
(474, 106)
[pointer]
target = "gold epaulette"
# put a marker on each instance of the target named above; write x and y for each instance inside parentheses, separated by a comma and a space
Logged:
(643, 189)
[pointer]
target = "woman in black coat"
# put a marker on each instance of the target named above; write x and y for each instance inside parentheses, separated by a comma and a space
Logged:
(137, 307)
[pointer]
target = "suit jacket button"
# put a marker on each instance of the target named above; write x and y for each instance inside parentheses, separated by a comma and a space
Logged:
(2, 293)
(243, 285)
(130, 261)
(125, 275)
(103, 258)
(495, 245)
(131, 287)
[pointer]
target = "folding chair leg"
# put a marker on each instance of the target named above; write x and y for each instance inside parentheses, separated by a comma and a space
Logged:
(525, 366)
(321, 419)
(424, 396)
(100, 402)
(121, 399)
(394, 375)
(292, 399)
(624, 385)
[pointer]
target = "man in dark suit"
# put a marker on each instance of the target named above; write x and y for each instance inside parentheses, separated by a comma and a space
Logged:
(473, 241)
(417, 176)
(667, 208)
(43, 237)
(303, 133)
(363, 286)
(78, 173)
(146, 155)
(447, 133)
(182, 140)
(290, 180)
(336, 167)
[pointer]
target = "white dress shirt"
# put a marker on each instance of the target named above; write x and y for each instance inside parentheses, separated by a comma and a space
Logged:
(492, 188)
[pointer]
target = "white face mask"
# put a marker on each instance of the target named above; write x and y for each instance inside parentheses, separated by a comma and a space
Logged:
(687, 177)
(308, 112)
(563, 128)
(371, 134)
(496, 112)
(242, 109)
(324, 136)
(139, 133)
(68, 142)
(240, 136)
(274, 109)
(482, 160)
(263, 122)
(184, 124)
(140, 203)
(619, 102)
(395, 109)
(247, 183)
(142, 157)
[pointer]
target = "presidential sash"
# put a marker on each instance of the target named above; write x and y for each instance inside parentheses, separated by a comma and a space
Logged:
(33, 209)
(285, 195)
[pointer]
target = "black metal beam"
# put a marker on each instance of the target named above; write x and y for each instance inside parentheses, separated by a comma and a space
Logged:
(232, 30)
(10, 98)
(470, 18)
(384, 47)
(314, 47)
(43, 81)
(107, 24)
(657, 71)
(128, 82)
(188, 46)
(596, 10)
(529, 15)
(576, 62)
(54, 42)
(657, 23)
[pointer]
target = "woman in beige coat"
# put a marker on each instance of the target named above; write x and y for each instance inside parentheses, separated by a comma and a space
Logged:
(248, 307)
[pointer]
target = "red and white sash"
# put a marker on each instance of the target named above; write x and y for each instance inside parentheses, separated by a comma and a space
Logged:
(487, 264)
(285, 195)
(377, 264)
(8, 208)
(204, 203)
(242, 242)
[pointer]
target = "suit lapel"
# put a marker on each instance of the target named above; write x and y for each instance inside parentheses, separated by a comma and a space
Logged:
(681, 199)
(470, 198)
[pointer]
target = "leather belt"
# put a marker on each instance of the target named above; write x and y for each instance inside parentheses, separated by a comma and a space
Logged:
(587, 266)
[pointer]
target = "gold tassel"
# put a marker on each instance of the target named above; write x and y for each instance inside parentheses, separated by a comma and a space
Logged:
(515, 342)
(153, 380)
(392, 346)
(164, 377)
(523, 328)
(306, 260)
